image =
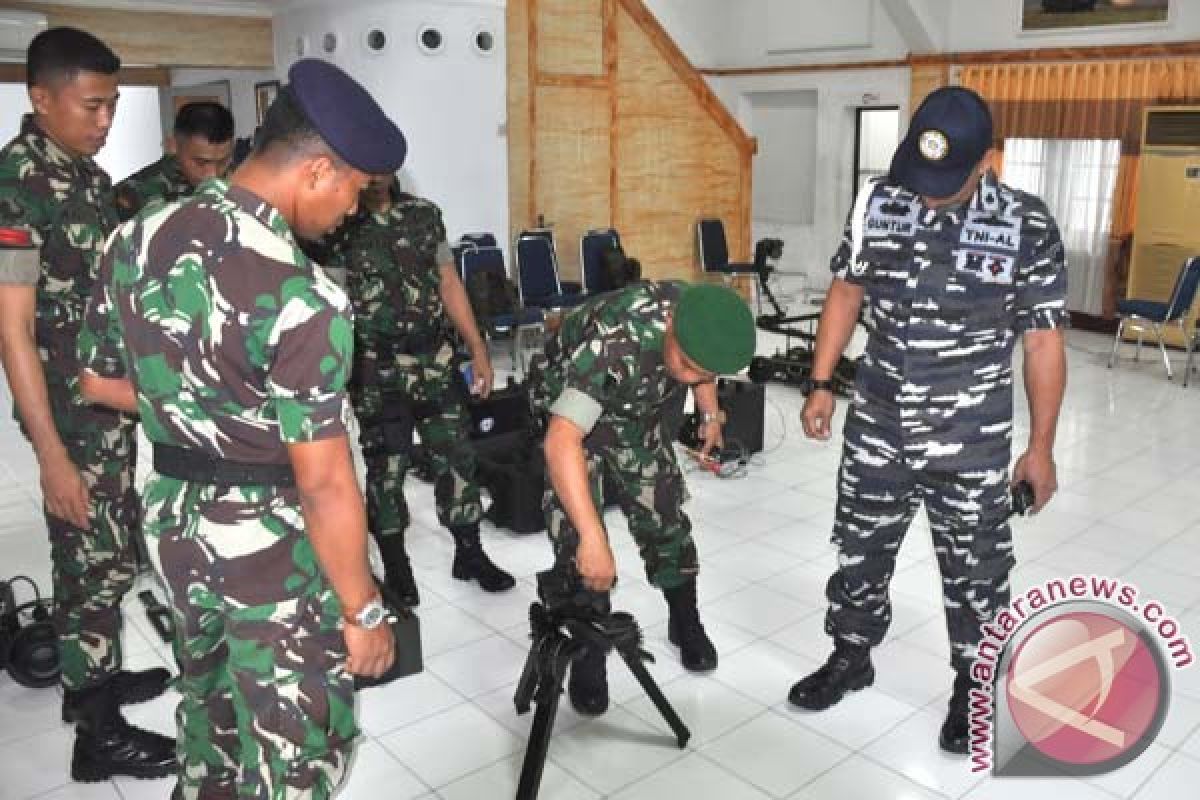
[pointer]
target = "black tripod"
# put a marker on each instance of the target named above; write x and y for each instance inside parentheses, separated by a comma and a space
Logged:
(558, 640)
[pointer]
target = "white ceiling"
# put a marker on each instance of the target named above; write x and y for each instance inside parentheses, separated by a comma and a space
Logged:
(256, 8)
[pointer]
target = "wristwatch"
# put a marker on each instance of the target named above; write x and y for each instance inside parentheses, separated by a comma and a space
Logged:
(370, 617)
(816, 385)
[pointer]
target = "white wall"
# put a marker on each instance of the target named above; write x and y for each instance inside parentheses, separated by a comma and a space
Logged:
(754, 27)
(699, 27)
(451, 106)
(785, 124)
(241, 91)
(134, 141)
(995, 25)
(808, 248)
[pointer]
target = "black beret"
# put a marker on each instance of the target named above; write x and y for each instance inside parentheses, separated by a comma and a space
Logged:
(347, 117)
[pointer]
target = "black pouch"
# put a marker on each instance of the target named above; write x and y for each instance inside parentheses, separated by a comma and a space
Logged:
(406, 633)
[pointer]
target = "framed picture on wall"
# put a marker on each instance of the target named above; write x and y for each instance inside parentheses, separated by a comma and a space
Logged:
(264, 95)
(1075, 16)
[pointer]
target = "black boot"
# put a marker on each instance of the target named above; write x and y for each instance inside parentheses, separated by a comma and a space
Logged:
(956, 731)
(588, 683)
(472, 564)
(847, 670)
(127, 687)
(397, 571)
(106, 745)
(684, 630)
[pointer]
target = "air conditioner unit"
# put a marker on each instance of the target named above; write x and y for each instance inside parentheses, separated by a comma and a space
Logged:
(17, 29)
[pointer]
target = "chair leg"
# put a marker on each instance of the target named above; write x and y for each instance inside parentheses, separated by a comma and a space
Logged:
(1137, 353)
(1189, 344)
(1162, 348)
(518, 367)
(1112, 358)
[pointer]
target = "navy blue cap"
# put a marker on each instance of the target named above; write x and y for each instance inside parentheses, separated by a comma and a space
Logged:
(947, 138)
(347, 117)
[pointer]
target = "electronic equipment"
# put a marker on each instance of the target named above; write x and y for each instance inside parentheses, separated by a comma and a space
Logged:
(28, 641)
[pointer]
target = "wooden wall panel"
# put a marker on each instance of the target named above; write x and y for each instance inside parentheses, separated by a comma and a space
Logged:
(520, 147)
(170, 40)
(570, 37)
(925, 79)
(675, 164)
(572, 167)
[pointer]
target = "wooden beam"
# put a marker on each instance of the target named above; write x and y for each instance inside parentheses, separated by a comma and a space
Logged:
(167, 39)
(610, 74)
(690, 76)
(532, 66)
(1099, 53)
(128, 76)
(573, 81)
(801, 68)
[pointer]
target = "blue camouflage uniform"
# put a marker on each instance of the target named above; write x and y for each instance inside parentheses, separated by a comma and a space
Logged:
(947, 293)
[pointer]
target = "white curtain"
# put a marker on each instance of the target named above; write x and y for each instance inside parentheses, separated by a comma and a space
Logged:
(1076, 178)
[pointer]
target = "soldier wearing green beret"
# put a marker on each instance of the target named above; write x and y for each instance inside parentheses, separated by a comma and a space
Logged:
(604, 382)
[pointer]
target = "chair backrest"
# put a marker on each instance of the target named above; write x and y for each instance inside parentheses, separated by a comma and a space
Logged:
(591, 257)
(478, 261)
(714, 252)
(537, 269)
(458, 250)
(479, 239)
(1184, 293)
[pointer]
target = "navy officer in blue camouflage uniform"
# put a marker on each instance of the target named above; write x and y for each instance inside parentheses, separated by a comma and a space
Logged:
(952, 267)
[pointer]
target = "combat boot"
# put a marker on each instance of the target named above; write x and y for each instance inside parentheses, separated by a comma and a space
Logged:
(956, 730)
(684, 630)
(848, 669)
(106, 745)
(471, 563)
(127, 687)
(588, 683)
(397, 570)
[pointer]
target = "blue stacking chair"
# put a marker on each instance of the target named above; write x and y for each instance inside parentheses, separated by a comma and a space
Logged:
(523, 320)
(537, 273)
(591, 258)
(1141, 314)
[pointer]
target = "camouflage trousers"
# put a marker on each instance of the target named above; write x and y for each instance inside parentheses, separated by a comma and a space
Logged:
(268, 707)
(879, 492)
(650, 491)
(427, 396)
(94, 568)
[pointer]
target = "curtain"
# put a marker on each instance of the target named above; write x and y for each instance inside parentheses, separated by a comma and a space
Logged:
(1076, 178)
(1087, 100)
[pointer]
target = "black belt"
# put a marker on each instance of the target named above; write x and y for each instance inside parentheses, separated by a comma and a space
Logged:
(187, 464)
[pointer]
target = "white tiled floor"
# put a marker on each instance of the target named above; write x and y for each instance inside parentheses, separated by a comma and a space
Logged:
(1128, 443)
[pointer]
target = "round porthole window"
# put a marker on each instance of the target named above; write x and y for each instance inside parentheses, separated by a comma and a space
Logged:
(376, 41)
(301, 46)
(430, 39)
(329, 42)
(484, 41)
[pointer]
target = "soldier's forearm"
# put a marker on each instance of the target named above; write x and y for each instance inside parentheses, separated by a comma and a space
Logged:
(706, 398)
(566, 465)
(23, 369)
(115, 393)
(458, 308)
(838, 319)
(1045, 372)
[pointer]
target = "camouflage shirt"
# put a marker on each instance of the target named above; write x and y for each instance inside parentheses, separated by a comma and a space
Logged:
(161, 182)
(235, 343)
(947, 293)
(607, 358)
(66, 204)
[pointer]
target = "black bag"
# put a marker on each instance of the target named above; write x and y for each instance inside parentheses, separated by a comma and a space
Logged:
(406, 636)
(513, 470)
(491, 295)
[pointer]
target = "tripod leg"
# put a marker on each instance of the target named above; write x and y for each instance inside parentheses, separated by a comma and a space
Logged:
(633, 660)
(549, 692)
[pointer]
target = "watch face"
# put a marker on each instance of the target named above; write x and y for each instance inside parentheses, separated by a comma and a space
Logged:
(371, 616)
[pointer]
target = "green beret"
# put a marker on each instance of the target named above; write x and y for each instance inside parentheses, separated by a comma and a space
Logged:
(714, 328)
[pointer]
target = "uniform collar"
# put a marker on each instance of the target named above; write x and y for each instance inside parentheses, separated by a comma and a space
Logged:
(173, 170)
(221, 191)
(987, 194)
(51, 150)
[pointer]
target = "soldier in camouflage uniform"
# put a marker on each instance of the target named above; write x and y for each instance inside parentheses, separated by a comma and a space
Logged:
(404, 287)
(605, 380)
(235, 349)
(954, 267)
(58, 203)
(199, 148)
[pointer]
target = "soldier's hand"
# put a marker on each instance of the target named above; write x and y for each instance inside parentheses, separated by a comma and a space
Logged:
(64, 492)
(371, 652)
(817, 416)
(1037, 467)
(595, 563)
(713, 437)
(481, 365)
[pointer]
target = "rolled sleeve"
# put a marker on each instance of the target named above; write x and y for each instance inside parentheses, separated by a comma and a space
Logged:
(309, 369)
(20, 267)
(580, 408)
(1041, 285)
